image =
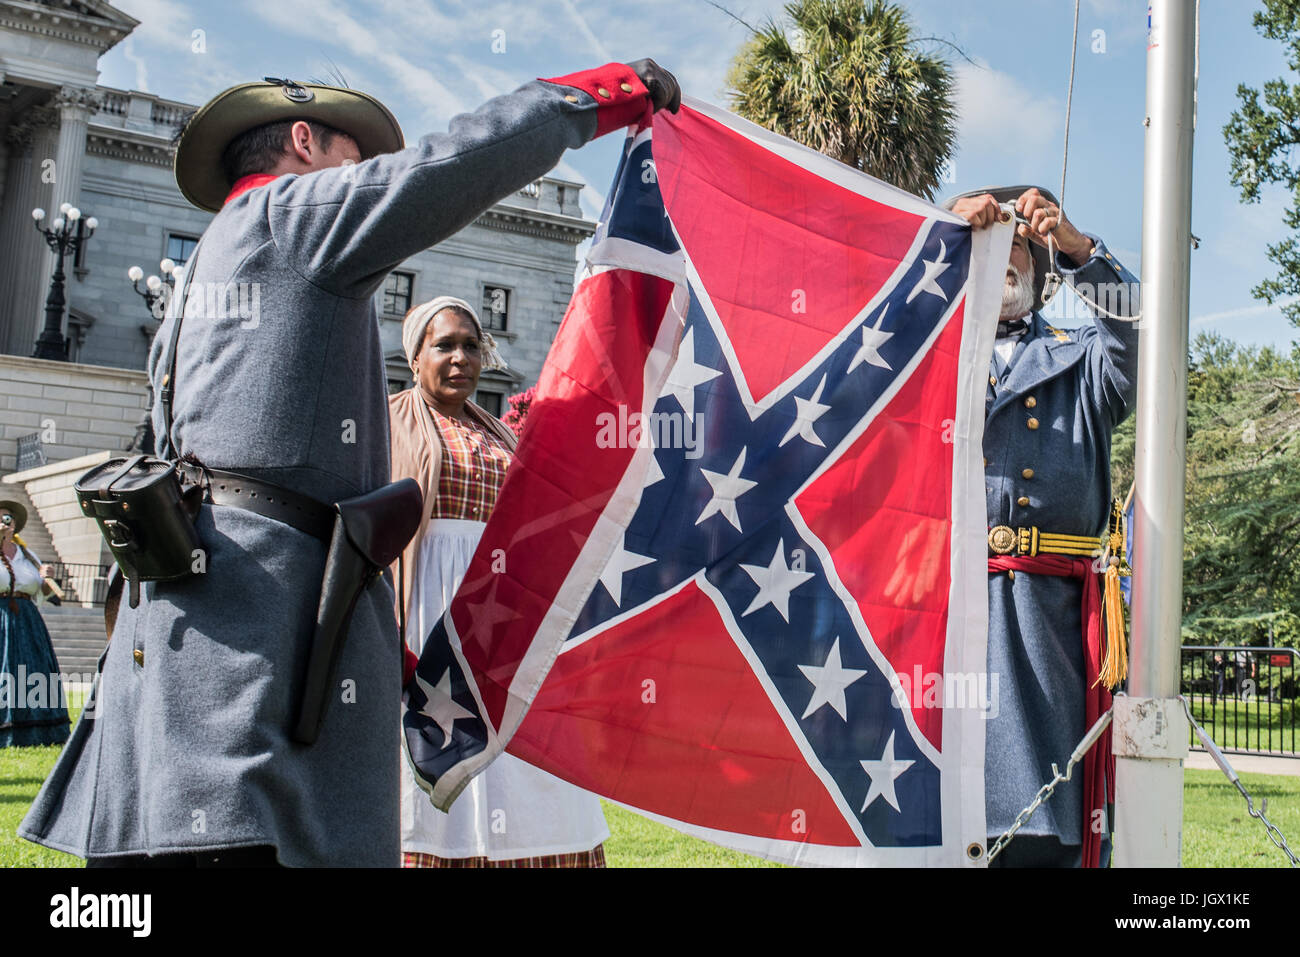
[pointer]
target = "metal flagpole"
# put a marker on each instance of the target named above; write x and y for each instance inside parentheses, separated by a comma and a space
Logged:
(1150, 729)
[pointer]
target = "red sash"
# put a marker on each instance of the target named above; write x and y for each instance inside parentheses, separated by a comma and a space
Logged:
(1097, 788)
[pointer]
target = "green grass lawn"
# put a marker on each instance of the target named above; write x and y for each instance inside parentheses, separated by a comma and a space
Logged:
(21, 772)
(1217, 832)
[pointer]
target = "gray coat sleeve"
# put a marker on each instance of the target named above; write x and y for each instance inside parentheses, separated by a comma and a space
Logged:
(344, 229)
(1111, 360)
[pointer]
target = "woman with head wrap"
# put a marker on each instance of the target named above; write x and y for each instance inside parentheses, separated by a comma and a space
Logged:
(512, 814)
(26, 718)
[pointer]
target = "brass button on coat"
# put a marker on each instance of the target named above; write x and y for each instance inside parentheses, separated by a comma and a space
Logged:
(625, 87)
(1011, 575)
(993, 380)
(1027, 473)
(603, 92)
(1032, 424)
(571, 98)
(1022, 501)
(138, 655)
(1030, 402)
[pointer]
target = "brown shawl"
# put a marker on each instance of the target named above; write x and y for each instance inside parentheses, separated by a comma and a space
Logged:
(417, 454)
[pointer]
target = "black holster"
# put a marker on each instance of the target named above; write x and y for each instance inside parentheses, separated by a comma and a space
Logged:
(370, 531)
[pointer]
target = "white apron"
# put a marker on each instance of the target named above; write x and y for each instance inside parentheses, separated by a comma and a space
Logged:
(511, 809)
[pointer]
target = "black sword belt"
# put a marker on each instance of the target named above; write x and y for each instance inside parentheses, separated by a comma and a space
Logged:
(265, 498)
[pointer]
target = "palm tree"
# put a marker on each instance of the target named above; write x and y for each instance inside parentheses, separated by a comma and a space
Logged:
(849, 81)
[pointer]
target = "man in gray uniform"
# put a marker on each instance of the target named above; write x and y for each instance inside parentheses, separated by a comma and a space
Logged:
(186, 754)
(1054, 398)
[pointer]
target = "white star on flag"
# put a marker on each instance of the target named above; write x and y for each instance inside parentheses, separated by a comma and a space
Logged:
(440, 705)
(775, 582)
(872, 340)
(933, 270)
(726, 489)
(489, 613)
(808, 411)
(829, 682)
(687, 374)
(621, 561)
(883, 774)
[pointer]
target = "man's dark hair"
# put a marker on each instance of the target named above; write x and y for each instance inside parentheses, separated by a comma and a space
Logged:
(259, 149)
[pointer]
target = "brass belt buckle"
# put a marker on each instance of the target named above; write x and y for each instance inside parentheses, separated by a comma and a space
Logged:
(1002, 539)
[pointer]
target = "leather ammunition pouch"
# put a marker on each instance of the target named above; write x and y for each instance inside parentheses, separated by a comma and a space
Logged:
(370, 531)
(142, 504)
(146, 515)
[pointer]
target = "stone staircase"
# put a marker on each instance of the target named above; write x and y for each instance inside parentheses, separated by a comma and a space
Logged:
(77, 632)
(78, 636)
(34, 532)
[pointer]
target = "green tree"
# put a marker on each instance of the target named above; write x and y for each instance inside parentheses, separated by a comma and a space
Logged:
(1241, 579)
(1241, 545)
(847, 79)
(1262, 136)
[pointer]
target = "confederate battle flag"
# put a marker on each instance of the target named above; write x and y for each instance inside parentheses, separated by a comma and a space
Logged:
(735, 579)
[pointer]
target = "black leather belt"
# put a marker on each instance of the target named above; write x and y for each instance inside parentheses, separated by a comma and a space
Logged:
(265, 498)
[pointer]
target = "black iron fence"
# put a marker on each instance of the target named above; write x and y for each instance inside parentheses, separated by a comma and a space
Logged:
(82, 582)
(1248, 699)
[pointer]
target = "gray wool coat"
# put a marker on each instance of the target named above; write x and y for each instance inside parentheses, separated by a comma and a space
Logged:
(186, 747)
(1078, 385)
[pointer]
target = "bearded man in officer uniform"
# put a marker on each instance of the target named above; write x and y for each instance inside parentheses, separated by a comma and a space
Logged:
(189, 753)
(1054, 398)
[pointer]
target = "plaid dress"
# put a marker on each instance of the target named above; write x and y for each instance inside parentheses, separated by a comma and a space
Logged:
(474, 464)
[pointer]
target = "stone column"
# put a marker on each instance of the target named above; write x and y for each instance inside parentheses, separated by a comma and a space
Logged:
(67, 147)
(34, 264)
(74, 104)
(4, 150)
(23, 247)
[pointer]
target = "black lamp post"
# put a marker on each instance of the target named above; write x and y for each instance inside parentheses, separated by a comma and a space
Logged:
(67, 234)
(157, 291)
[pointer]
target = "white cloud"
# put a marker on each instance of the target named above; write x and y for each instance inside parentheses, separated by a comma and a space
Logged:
(1244, 312)
(372, 39)
(141, 67)
(592, 41)
(997, 112)
(165, 22)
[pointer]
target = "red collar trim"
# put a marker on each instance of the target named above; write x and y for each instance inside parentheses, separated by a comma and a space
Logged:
(245, 183)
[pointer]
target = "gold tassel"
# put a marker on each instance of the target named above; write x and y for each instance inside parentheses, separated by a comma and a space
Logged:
(1114, 667)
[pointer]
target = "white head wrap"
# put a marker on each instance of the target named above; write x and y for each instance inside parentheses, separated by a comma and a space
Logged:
(417, 322)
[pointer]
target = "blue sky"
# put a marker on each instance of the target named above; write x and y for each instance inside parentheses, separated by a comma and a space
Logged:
(431, 59)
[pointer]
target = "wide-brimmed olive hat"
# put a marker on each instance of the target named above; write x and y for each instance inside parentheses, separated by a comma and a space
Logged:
(1037, 253)
(19, 513)
(241, 108)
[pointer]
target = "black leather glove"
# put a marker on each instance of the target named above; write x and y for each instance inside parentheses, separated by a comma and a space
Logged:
(664, 91)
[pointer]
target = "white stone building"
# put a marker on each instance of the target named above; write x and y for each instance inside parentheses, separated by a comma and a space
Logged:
(66, 139)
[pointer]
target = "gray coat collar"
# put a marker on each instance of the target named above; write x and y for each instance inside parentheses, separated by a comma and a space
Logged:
(1044, 353)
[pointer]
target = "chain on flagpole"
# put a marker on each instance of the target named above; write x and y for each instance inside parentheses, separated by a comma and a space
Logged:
(1274, 835)
(1086, 744)
(1048, 789)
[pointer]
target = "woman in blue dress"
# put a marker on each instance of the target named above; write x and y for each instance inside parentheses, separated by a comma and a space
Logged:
(32, 709)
